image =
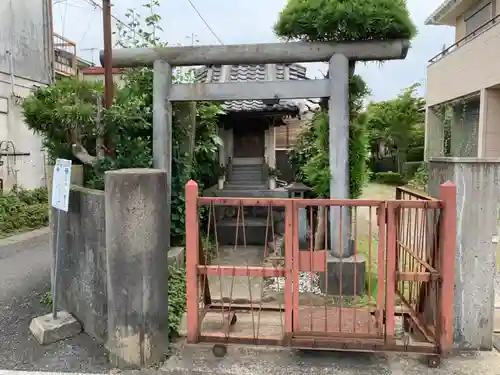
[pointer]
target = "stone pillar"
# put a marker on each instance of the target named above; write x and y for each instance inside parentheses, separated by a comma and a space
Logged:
(136, 240)
(162, 131)
(478, 194)
(338, 143)
(342, 265)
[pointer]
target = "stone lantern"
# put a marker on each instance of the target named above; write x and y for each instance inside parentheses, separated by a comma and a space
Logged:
(299, 190)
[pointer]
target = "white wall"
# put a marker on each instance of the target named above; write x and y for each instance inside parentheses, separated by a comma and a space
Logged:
(25, 171)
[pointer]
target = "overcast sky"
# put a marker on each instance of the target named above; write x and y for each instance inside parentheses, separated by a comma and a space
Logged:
(251, 21)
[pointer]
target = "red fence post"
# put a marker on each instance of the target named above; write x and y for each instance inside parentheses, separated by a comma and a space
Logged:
(447, 246)
(390, 285)
(291, 241)
(192, 261)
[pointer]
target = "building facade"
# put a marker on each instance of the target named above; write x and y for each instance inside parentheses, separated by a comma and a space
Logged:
(463, 82)
(25, 64)
(34, 57)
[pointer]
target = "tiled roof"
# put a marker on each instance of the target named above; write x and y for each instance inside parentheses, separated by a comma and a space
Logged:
(261, 72)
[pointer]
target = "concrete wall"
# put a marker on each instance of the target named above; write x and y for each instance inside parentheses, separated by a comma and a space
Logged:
(82, 265)
(478, 194)
(96, 74)
(24, 33)
(83, 270)
(27, 171)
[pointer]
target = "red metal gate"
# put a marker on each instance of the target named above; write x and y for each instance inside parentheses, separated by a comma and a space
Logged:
(396, 292)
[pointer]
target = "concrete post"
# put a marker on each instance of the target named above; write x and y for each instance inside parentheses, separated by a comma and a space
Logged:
(136, 238)
(345, 272)
(338, 143)
(477, 215)
(162, 132)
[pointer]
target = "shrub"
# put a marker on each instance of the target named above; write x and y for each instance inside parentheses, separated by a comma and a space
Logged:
(411, 168)
(176, 298)
(23, 209)
(309, 158)
(415, 154)
(389, 178)
(420, 178)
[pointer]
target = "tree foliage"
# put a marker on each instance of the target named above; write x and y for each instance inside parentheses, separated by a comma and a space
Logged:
(397, 125)
(310, 154)
(345, 20)
(63, 114)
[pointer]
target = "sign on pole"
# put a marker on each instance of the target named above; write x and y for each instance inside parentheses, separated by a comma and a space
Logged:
(61, 182)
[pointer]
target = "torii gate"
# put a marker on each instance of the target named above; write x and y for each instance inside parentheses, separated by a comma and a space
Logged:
(164, 59)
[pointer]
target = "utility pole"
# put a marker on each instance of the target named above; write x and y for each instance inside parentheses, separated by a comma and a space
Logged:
(193, 38)
(108, 72)
(50, 41)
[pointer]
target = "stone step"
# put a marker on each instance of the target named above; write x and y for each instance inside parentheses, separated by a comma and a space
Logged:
(240, 186)
(246, 175)
(255, 232)
(242, 166)
(251, 181)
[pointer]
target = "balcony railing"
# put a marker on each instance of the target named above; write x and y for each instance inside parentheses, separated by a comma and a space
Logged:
(65, 61)
(466, 39)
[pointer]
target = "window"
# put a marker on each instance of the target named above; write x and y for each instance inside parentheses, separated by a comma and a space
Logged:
(478, 16)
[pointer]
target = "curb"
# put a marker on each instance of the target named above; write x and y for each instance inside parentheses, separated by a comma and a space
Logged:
(496, 341)
(23, 237)
(23, 372)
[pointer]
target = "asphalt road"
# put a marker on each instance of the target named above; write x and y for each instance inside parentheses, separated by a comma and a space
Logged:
(24, 278)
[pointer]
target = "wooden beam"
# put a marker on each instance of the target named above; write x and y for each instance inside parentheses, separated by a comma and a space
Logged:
(271, 53)
(317, 88)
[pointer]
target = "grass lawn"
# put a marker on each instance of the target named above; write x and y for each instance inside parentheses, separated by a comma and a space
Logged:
(367, 239)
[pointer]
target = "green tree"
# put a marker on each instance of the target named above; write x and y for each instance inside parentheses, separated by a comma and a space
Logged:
(310, 154)
(345, 20)
(397, 124)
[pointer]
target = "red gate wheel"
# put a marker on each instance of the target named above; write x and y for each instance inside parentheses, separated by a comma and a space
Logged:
(433, 361)
(219, 350)
(233, 321)
(406, 324)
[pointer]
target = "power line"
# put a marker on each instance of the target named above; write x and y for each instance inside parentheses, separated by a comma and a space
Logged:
(205, 22)
(94, 4)
(88, 26)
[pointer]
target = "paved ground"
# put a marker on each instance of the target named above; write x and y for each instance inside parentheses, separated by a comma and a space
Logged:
(197, 360)
(24, 278)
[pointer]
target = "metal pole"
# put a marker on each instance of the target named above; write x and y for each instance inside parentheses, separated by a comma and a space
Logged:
(56, 266)
(108, 73)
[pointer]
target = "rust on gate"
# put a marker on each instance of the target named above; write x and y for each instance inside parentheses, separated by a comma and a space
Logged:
(276, 271)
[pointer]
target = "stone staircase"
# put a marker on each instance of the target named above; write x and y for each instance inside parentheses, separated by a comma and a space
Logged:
(246, 177)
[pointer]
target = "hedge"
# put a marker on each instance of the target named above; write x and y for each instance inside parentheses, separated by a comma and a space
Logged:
(22, 209)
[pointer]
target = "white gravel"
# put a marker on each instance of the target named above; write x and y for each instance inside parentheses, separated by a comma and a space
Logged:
(308, 283)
